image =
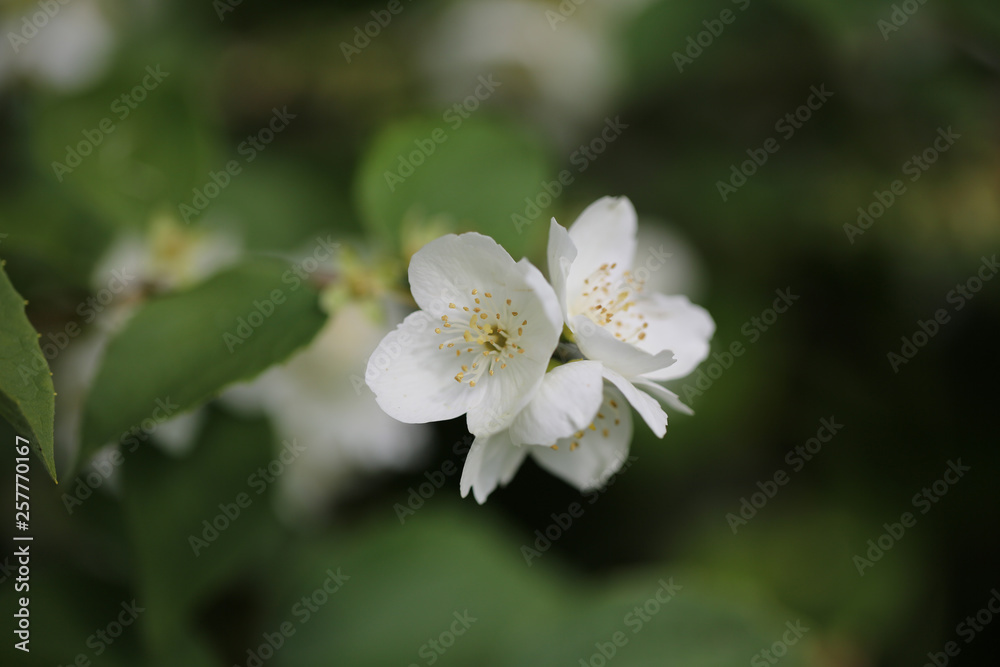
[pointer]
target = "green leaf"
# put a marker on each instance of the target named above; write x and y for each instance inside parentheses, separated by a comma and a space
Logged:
(477, 177)
(179, 566)
(182, 349)
(412, 583)
(27, 399)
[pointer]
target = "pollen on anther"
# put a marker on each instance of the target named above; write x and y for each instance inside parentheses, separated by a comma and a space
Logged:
(437, 330)
(465, 368)
(482, 315)
(514, 313)
(555, 447)
(477, 300)
(604, 433)
(488, 295)
(642, 335)
(592, 427)
(600, 416)
(451, 305)
(458, 378)
(508, 302)
(475, 291)
(441, 346)
(444, 318)
(524, 323)
(612, 403)
(617, 422)
(578, 435)
(520, 331)
(472, 383)
(573, 446)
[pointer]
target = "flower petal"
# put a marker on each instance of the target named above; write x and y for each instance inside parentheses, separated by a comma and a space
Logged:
(447, 269)
(603, 234)
(565, 403)
(413, 380)
(644, 404)
(587, 462)
(670, 398)
(561, 254)
(538, 325)
(597, 343)
(492, 462)
(680, 326)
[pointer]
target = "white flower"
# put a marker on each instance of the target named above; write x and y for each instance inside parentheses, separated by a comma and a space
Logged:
(638, 337)
(575, 426)
(316, 399)
(480, 344)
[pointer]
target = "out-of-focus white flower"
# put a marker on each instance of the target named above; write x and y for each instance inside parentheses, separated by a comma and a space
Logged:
(566, 74)
(316, 399)
(167, 257)
(65, 46)
(575, 426)
(639, 337)
(480, 344)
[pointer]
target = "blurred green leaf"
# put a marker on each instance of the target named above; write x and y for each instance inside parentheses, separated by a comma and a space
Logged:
(27, 399)
(182, 349)
(408, 582)
(180, 561)
(476, 175)
(137, 144)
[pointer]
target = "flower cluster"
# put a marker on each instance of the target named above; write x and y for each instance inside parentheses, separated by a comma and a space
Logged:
(540, 368)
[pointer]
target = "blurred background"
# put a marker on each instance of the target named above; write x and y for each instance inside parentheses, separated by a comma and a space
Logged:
(164, 165)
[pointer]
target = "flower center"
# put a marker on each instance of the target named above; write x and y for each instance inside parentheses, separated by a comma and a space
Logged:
(610, 301)
(609, 414)
(489, 339)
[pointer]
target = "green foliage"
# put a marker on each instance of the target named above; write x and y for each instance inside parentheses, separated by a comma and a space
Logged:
(408, 582)
(167, 501)
(180, 350)
(476, 176)
(27, 399)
